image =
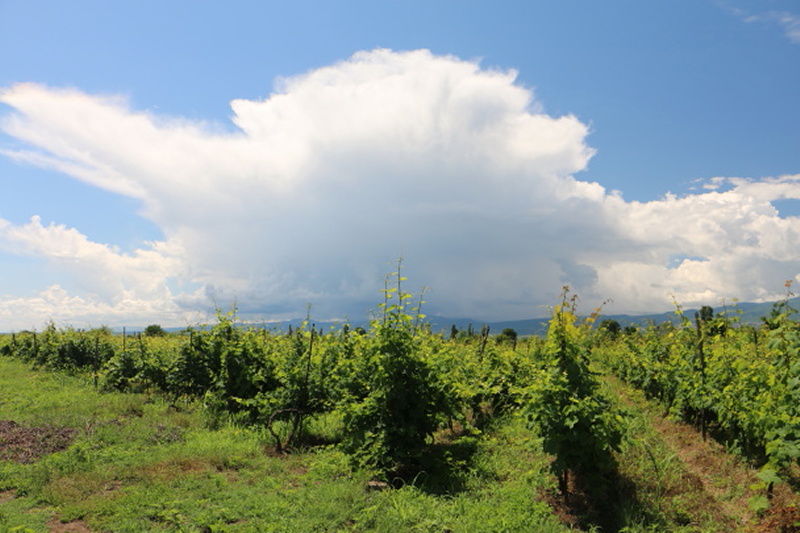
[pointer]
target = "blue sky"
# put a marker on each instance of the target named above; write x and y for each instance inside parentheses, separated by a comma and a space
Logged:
(161, 158)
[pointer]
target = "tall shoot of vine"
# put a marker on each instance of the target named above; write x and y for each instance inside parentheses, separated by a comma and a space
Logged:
(403, 402)
(580, 427)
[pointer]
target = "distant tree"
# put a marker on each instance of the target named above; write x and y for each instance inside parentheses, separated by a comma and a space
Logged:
(453, 332)
(104, 330)
(713, 325)
(154, 330)
(611, 327)
(484, 337)
(706, 314)
(508, 335)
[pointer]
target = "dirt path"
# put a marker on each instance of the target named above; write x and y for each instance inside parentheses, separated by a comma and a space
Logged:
(724, 479)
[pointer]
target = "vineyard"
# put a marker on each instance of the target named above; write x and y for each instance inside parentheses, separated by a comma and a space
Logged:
(739, 384)
(409, 409)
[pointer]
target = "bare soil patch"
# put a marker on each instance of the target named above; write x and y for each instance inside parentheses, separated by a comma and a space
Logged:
(76, 526)
(26, 445)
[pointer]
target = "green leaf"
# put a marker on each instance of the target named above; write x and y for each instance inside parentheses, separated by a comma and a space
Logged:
(768, 475)
(758, 504)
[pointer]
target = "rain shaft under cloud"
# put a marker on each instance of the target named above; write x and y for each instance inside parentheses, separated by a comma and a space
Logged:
(326, 182)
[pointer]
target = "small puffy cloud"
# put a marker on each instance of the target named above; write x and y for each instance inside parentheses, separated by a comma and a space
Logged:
(787, 21)
(56, 304)
(99, 268)
(734, 244)
(791, 25)
(112, 287)
(329, 179)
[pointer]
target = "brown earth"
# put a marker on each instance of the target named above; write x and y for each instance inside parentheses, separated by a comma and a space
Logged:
(784, 520)
(76, 526)
(26, 445)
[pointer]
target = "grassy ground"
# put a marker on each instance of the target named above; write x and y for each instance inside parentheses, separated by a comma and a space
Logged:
(138, 463)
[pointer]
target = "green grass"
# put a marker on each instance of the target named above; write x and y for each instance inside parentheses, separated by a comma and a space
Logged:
(140, 463)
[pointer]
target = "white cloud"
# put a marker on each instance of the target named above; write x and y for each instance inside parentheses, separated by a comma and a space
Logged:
(57, 304)
(736, 244)
(113, 286)
(345, 168)
(101, 269)
(787, 21)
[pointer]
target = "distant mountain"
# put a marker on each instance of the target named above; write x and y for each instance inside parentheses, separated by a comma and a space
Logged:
(747, 312)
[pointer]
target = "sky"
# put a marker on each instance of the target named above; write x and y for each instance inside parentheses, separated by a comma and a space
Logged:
(163, 159)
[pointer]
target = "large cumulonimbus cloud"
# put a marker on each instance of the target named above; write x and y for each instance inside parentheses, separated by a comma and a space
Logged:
(342, 170)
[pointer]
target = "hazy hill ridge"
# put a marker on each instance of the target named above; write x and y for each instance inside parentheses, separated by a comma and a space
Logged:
(747, 313)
